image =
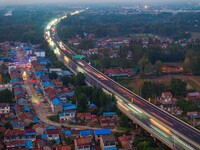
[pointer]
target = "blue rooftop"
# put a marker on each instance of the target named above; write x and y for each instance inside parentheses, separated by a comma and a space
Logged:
(50, 127)
(22, 100)
(38, 73)
(39, 90)
(102, 131)
(57, 140)
(45, 60)
(44, 136)
(18, 92)
(17, 124)
(111, 148)
(70, 107)
(70, 94)
(48, 83)
(14, 80)
(17, 86)
(85, 133)
(26, 108)
(68, 132)
(92, 105)
(29, 144)
(36, 120)
(56, 102)
(68, 73)
(30, 133)
(26, 48)
(109, 113)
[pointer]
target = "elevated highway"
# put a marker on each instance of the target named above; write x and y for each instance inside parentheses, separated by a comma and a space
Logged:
(171, 131)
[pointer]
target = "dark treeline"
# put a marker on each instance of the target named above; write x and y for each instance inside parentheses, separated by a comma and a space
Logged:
(166, 24)
(27, 23)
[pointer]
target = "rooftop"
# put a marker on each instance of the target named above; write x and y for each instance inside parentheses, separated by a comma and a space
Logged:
(85, 133)
(82, 141)
(102, 131)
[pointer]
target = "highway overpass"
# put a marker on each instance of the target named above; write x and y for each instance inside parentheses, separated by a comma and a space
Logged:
(160, 124)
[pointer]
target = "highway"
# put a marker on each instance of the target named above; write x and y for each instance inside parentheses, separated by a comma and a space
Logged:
(160, 124)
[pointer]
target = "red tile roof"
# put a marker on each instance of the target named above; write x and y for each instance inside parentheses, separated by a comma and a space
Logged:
(52, 131)
(15, 143)
(82, 141)
(37, 126)
(13, 132)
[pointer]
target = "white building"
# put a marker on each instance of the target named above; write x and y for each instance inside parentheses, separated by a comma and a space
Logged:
(6, 86)
(39, 53)
(58, 71)
(4, 108)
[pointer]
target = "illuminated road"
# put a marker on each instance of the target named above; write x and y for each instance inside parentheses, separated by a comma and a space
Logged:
(163, 126)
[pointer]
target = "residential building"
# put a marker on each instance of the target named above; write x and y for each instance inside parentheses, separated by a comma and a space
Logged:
(52, 134)
(56, 105)
(108, 142)
(99, 132)
(67, 116)
(126, 142)
(82, 143)
(39, 129)
(4, 108)
(16, 124)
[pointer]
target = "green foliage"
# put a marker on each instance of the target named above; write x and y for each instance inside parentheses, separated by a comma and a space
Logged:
(6, 78)
(8, 125)
(82, 102)
(53, 75)
(178, 87)
(79, 79)
(103, 101)
(65, 80)
(6, 96)
(188, 106)
(152, 89)
(86, 44)
(24, 25)
(54, 118)
(145, 142)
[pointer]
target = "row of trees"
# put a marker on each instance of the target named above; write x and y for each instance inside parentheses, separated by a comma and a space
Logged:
(166, 24)
(152, 89)
(103, 101)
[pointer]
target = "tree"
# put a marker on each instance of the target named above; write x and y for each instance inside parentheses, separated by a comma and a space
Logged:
(178, 87)
(82, 102)
(186, 65)
(144, 65)
(6, 96)
(158, 67)
(53, 75)
(79, 79)
(65, 80)
(86, 44)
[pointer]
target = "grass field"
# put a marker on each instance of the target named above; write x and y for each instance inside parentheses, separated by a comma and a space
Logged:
(192, 81)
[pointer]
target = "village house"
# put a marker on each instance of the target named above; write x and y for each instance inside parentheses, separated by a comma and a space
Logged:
(193, 96)
(126, 142)
(108, 142)
(52, 134)
(16, 124)
(39, 129)
(4, 109)
(87, 133)
(99, 132)
(56, 106)
(67, 116)
(14, 134)
(82, 143)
